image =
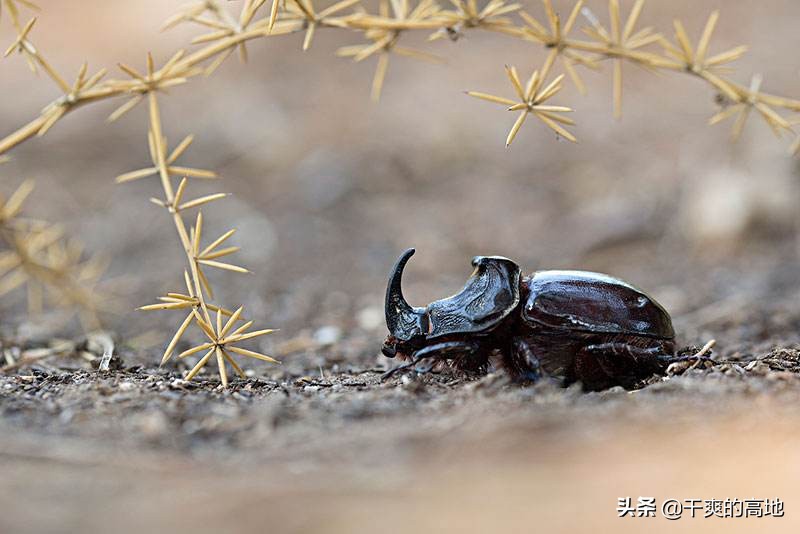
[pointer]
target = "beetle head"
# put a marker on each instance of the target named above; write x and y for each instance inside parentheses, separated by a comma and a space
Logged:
(489, 296)
(407, 325)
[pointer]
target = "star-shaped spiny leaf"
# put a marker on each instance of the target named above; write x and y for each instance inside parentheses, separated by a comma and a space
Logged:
(222, 341)
(466, 14)
(72, 93)
(741, 106)
(11, 7)
(77, 283)
(173, 73)
(302, 14)
(622, 42)
(181, 301)
(554, 37)
(177, 204)
(224, 25)
(22, 46)
(685, 56)
(34, 58)
(384, 32)
(172, 169)
(532, 100)
(26, 261)
(39, 258)
(48, 265)
(189, 12)
(209, 256)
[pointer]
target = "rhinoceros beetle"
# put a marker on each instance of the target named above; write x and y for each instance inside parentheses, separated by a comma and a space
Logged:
(571, 326)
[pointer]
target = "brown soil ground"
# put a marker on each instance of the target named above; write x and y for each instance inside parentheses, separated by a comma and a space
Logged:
(326, 191)
(338, 450)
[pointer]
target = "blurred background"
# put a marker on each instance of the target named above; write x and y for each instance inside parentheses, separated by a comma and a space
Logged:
(328, 188)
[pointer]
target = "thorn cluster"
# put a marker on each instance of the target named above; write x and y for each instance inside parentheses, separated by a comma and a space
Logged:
(384, 31)
(620, 41)
(222, 338)
(467, 15)
(532, 99)
(36, 256)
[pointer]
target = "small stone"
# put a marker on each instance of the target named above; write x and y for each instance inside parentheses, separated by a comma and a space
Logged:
(370, 318)
(327, 335)
(153, 424)
(178, 383)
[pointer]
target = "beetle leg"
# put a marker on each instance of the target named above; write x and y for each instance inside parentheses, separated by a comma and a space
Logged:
(391, 372)
(602, 365)
(624, 348)
(434, 353)
(649, 358)
(442, 350)
(529, 367)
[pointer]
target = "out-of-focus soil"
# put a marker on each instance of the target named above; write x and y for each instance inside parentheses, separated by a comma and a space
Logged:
(316, 447)
(326, 191)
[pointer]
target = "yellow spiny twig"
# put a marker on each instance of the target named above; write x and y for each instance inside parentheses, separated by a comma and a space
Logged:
(532, 98)
(13, 10)
(38, 257)
(198, 288)
(384, 32)
(554, 38)
(619, 42)
(468, 15)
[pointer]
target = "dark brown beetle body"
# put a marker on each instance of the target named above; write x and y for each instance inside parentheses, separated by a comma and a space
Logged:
(568, 325)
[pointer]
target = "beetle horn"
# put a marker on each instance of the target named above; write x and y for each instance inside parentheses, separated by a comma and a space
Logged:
(402, 319)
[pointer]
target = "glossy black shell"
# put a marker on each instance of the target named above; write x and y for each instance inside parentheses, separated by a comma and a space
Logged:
(582, 301)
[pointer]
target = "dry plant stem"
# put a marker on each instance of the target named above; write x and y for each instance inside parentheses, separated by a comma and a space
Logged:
(43, 272)
(116, 88)
(222, 338)
(39, 258)
(21, 265)
(467, 16)
(707, 347)
(28, 360)
(166, 184)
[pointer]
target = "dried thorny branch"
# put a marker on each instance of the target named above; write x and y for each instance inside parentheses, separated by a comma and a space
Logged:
(620, 41)
(532, 98)
(13, 9)
(222, 339)
(36, 256)
(143, 86)
(384, 31)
